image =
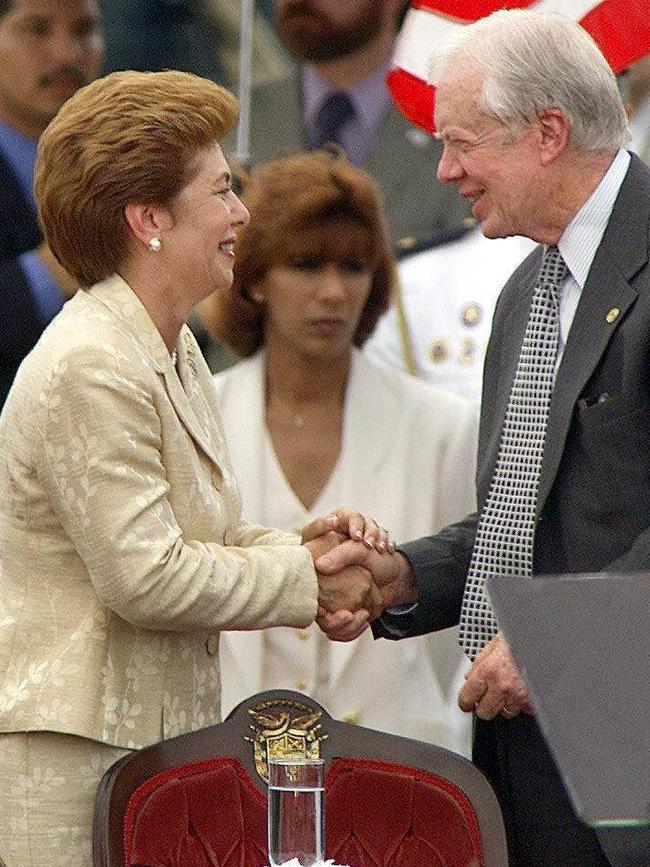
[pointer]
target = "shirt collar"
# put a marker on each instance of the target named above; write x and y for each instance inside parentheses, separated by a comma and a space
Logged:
(581, 238)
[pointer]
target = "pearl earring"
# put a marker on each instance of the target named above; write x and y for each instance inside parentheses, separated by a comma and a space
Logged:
(257, 297)
(154, 245)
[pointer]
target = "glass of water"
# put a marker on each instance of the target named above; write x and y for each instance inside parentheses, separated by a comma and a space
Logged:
(296, 818)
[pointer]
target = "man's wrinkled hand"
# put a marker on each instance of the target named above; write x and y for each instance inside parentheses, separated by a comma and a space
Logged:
(391, 572)
(493, 685)
(351, 588)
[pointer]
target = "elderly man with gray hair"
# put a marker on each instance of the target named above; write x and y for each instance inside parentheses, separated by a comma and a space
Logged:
(534, 129)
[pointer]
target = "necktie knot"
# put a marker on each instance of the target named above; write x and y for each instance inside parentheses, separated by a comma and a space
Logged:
(335, 112)
(554, 269)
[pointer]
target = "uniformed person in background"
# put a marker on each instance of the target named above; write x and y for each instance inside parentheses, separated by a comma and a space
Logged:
(438, 325)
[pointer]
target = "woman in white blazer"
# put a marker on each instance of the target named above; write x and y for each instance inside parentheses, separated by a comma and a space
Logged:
(310, 421)
(122, 549)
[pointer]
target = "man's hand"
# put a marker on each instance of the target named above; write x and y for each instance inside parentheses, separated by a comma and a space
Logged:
(493, 685)
(350, 588)
(390, 572)
(343, 625)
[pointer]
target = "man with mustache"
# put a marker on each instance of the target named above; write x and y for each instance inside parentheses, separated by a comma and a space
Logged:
(48, 49)
(344, 50)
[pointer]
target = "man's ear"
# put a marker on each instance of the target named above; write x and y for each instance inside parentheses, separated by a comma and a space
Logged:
(554, 133)
(147, 221)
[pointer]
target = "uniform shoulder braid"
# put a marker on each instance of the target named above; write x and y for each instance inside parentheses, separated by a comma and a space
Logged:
(409, 245)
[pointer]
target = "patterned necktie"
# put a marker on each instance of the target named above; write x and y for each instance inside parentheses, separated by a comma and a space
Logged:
(506, 527)
(333, 115)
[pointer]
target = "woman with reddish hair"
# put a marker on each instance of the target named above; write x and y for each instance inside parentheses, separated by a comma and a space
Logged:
(122, 549)
(311, 422)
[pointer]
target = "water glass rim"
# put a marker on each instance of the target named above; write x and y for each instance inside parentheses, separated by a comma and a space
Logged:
(288, 760)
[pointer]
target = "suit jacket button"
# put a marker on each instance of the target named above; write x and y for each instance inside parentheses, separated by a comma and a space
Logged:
(212, 644)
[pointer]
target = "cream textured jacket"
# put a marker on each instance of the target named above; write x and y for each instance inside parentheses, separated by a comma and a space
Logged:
(122, 550)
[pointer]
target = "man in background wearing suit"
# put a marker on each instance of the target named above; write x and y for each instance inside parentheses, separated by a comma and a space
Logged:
(337, 92)
(533, 129)
(48, 49)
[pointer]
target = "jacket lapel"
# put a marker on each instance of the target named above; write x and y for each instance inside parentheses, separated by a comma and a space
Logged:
(603, 292)
(186, 394)
(620, 256)
(115, 294)
(495, 400)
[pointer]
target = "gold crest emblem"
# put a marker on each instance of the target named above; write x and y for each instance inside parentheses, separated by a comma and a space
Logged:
(284, 729)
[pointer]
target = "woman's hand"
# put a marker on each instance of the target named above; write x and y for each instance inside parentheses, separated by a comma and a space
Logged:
(393, 581)
(354, 524)
(342, 625)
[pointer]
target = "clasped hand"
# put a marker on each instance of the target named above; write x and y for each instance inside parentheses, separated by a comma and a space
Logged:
(357, 568)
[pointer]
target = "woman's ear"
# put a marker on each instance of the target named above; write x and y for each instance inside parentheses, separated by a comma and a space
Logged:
(147, 221)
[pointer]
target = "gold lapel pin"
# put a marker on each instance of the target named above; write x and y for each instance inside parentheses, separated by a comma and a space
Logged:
(612, 315)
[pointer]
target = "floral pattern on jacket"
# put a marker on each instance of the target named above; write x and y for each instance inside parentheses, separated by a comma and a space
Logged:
(122, 549)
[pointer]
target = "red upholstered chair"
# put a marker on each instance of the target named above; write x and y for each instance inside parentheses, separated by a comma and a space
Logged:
(199, 800)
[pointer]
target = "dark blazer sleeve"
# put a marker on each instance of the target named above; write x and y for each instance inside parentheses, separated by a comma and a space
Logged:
(20, 325)
(440, 565)
(440, 562)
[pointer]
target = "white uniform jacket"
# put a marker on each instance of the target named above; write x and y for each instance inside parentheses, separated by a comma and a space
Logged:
(448, 294)
(122, 551)
(407, 459)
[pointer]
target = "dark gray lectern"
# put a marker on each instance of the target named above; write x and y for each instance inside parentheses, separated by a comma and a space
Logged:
(583, 646)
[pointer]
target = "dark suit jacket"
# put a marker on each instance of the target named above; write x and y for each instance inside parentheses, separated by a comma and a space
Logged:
(20, 325)
(594, 496)
(403, 161)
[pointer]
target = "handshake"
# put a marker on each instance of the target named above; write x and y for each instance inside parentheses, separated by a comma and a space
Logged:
(359, 573)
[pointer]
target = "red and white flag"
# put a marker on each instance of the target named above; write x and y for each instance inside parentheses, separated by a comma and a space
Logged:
(620, 27)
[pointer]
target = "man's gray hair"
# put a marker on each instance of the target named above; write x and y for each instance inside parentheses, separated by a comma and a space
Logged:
(534, 61)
